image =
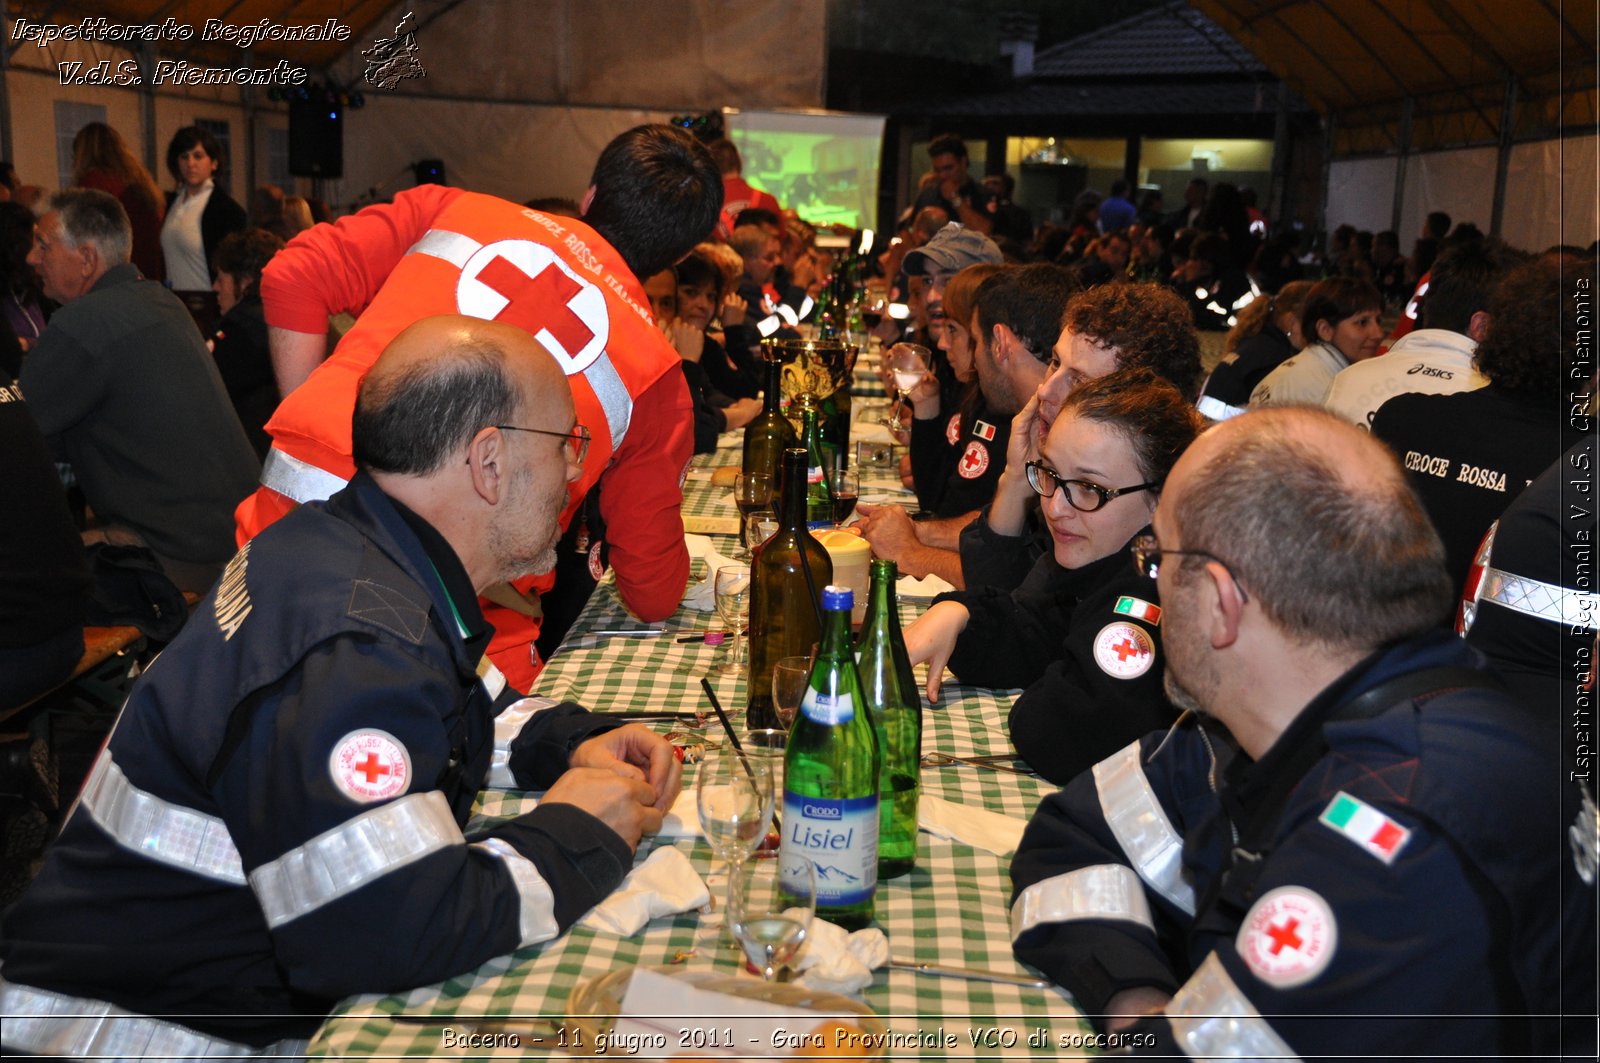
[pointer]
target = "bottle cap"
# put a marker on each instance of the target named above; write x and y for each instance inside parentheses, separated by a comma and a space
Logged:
(838, 599)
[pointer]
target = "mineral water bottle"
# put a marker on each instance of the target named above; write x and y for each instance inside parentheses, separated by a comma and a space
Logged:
(830, 777)
(895, 705)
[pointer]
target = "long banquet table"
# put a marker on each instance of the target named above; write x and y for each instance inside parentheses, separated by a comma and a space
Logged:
(951, 910)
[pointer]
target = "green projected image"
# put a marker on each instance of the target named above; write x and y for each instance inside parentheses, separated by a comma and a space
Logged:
(822, 165)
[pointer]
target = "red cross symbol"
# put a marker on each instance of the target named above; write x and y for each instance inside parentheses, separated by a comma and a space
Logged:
(1127, 648)
(539, 302)
(972, 459)
(372, 767)
(1284, 936)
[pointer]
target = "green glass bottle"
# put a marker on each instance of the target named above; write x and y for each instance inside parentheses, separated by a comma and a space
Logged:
(787, 574)
(766, 437)
(830, 777)
(819, 485)
(895, 705)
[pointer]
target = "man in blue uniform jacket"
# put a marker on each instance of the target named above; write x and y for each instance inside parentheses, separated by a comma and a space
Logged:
(1355, 845)
(276, 821)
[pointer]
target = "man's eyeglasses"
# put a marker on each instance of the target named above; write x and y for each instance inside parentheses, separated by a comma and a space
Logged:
(577, 438)
(1147, 555)
(1083, 496)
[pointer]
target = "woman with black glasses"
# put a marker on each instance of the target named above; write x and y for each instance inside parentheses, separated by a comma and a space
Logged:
(1081, 632)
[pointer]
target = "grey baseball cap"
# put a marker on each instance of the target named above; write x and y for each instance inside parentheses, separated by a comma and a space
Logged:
(952, 249)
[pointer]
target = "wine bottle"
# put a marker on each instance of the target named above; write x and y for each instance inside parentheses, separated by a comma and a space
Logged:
(895, 705)
(766, 437)
(819, 487)
(787, 574)
(830, 777)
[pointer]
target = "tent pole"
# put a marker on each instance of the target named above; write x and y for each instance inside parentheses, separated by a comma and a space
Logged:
(1329, 142)
(1406, 108)
(1278, 180)
(1502, 165)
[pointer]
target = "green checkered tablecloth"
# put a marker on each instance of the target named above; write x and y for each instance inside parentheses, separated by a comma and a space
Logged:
(952, 909)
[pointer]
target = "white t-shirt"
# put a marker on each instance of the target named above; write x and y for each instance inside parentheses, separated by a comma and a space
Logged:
(185, 251)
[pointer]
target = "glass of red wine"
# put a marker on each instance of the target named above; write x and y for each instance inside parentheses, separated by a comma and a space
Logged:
(752, 491)
(846, 488)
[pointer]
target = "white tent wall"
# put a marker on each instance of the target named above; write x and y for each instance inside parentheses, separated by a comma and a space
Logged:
(1552, 187)
(520, 97)
(1361, 193)
(1461, 183)
(1550, 192)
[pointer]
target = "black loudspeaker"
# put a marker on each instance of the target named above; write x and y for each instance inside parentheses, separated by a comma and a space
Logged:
(316, 138)
(428, 171)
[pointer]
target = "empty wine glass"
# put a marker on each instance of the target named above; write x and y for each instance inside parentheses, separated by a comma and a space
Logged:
(734, 796)
(760, 526)
(770, 909)
(789, 678)
(905, 365)
(732, 590)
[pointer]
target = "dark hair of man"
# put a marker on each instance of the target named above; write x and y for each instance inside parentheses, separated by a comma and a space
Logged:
(698, 269)
(726, 155)
(1119, 187)
(1148, 324)
(244, 254)
(749, 240)
(89, 216)
(1463, 277)
(1029, 300)
(413, 421)
(184, 140)
(656, 194)
(1437, 224)
(961, 290)
(947, 144)
(1532, 348)
(1008, 184)
(1158, 421)
(1342, 556)
(1335, 299)
(761, 216)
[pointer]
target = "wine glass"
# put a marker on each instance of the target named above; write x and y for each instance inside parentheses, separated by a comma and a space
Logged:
(790, 677)
(905, 365)
(752, 491)
(732, 589)
(770, 909)
(734, 796)
(760, 526)
(846, 488)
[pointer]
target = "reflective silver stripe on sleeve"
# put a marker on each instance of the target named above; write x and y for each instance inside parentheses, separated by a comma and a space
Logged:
(1216, 409)
(299, 480)
(1141, 827)
(494, 680)
(51, 1024)
(613, 396)
(1104, 891)
(1544, 601)
(354, 853)
(169, 833)
(1211, 1019)
(507, 726)
(538, 922)
(454, 248)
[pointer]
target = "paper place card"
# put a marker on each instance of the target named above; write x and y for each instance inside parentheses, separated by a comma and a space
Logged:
(711, 525)
(736, 1027)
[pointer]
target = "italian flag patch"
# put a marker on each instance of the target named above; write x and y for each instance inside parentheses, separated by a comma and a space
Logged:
(1366, 826)
(1139, 609)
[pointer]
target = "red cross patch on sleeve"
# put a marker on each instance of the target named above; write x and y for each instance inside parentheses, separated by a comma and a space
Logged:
(370, 766)
(952, 429)
(1124, 650)
(974, 460)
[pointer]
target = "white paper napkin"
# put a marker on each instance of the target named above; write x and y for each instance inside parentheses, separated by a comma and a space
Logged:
(925, 588)
(837, 961)
(976, 827)
(702, 595)
(665, 884)
(683, 819)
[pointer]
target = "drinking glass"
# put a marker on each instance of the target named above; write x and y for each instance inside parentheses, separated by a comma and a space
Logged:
(760, 526)
(905, 365)
(734, 796)
(752, 491)
(846, 488)
(789, 678)
(732, 589)
(770, 909)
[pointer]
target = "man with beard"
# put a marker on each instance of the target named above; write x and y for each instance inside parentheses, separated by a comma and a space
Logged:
(276, 822)
(1356, 845)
